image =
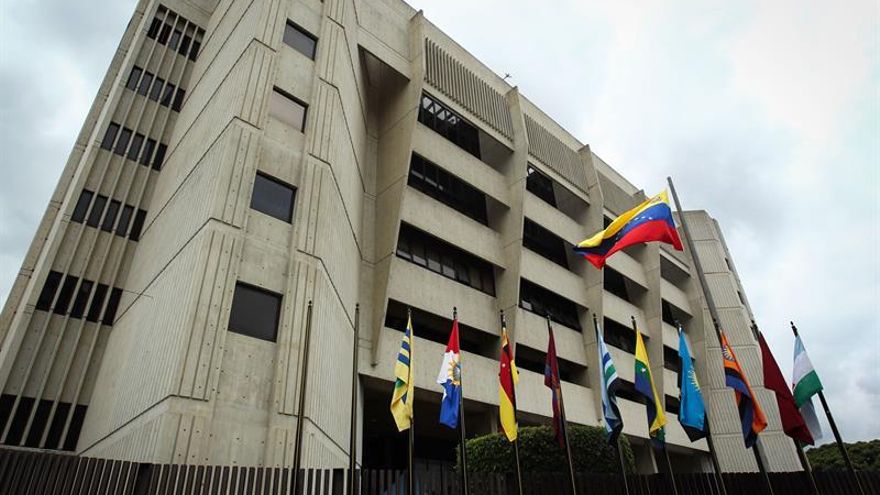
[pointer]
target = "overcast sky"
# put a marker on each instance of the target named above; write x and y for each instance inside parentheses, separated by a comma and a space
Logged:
(766, 114)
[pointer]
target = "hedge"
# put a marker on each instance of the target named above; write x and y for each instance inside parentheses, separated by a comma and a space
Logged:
(540, 452)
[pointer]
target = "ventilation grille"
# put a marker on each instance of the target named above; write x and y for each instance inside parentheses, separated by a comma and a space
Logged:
(465, 88)
(555, 154)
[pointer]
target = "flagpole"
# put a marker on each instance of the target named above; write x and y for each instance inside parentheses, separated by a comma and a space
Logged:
(303, 379)
(513, 393)
(564, 424)
(352, 446)
(622, 464)
(411, 435)
(604, 386)
(665, 452)
(710, 302)
(462, 431)
(837, 437)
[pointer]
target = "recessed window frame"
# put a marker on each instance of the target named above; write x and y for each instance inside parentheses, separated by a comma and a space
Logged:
(292, 27)
(290, 99)
(236, 324)
(255, 205)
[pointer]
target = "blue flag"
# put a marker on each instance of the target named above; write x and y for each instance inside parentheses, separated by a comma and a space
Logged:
(692, 411)
(609, 385)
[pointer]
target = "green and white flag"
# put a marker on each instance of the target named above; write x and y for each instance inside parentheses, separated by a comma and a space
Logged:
(806, 385)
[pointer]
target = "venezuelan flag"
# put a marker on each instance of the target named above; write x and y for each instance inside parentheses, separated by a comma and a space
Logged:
(750, 413)
(649, 221)
(645, 386)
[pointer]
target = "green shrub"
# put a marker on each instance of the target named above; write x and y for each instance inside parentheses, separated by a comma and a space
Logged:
(865, 456)
(540, 452)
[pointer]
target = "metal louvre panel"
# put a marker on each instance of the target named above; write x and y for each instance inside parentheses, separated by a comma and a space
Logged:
(551, 151)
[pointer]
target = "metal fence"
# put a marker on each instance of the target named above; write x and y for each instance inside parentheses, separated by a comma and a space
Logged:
(30, 472)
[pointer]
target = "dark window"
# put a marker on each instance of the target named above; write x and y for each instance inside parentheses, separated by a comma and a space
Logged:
(615, 283)
(542, 302)
(194, 53)
(53, 280)
(133, 77)
(122, 143)
(82, 297)
(545, 243)
(671, 361)
(110, 217)
(255, 312)
(620, 336)
(65, 295)
(443, 258)
(38, 424)
(168, 95)
(154, 28)
(535, 360)
(627, 390)
(148, 151)
(159, 160)
(82, 206)
(672, 405)
(112, 306)
(436, 328)
(446, 188)
(76, 422)
(164, 33)
(145, 83)
(741, 298)
(300, 40)
(135, 147)
(19, 420)
(288, 109)
(97, 210)
(184, 45)
(97, 301)
(156, 89)
(273, 197)
(671, 314)
(137, 225)
(178, 99)
(110, 136)
(727, 261)
(124, 218)
(450, 125)
(175, 39)
(606, 221)
(540, 185)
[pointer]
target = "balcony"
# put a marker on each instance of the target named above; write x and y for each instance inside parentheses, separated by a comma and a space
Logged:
(562, 225)
(620, 310)
(675, 296)
(670, 336)
(533, 397)
(460, 163)
(553, 277)
(627, 266)
(423, 212)
(532, 331)
(412, 284)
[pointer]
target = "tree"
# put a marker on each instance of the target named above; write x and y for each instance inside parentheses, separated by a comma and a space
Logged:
(540, 452)
(865, 456)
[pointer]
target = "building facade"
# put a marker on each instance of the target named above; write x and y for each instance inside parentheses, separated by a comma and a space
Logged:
(242, 159)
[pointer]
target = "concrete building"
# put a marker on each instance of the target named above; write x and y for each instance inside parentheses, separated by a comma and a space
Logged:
(244, 158)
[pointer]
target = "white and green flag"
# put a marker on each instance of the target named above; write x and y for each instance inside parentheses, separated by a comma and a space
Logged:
(806, 385)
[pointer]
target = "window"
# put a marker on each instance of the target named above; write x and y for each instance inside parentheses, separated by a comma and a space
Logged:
(82, 297)
(287, 109)
(110, 136)
(122, 143)
(175, 39)
(606, 221)
(82, 206)
(148, 151)
(164, 33)
(535, 360)
(133, 77)
(742, 300)
(436, 328)
(110, 217)
(300, 40)
(53, 280)
(137, 225)
(440, 257)
(154, 28)
(194, 53)
(615, 283)
(156, 89)
(545, 243)
(448, 124)
(448, 189)
(627, 390)
(729, 266)
(543, 302)
(112, 306)
(273, 198)
(620, 336)
(671, 361)
(159, 159)
(540, 185)
(65, 295)
(146, 82)
(184, 45)
(97, 210)
(135, 148)
(168, 95)
(255, 312)
(178, 99)
(124, 218)
(672, 405)
(97, 302)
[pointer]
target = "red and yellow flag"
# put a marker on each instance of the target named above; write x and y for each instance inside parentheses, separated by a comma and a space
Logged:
(508, 376)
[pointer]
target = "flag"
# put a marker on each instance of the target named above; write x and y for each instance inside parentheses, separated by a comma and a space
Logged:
(750, 414)
(645, 386)
(692, 409)
(610, 384)
(649, 221)
(450, 379)
(551, 380)
(806, 385)
(792, 422)
(508, 377)
(404, 385)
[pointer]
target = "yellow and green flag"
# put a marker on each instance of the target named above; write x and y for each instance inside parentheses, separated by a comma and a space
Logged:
(645, 386)
(404, 385)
